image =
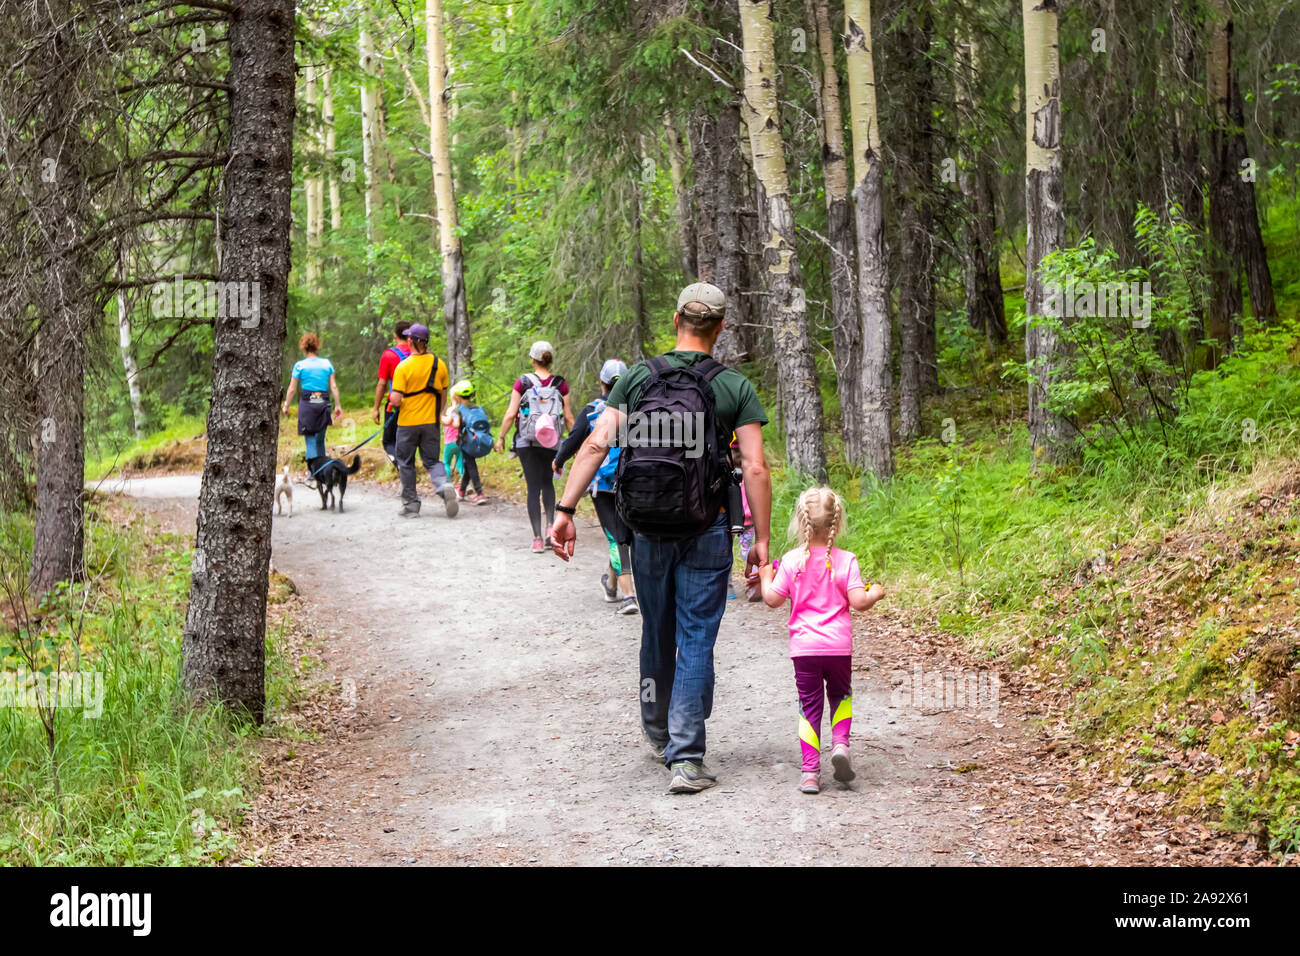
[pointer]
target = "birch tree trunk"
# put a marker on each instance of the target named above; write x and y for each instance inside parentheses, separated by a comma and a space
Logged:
(327, 117)
(129, 368)
(313, 190)
(1044, 215)
(869, 217)
(801, 396)
(454, 310)
(847, 329)
(225, 627)
(369, 132)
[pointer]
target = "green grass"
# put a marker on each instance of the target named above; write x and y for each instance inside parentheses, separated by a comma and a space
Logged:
(151, 780)
(103, 457)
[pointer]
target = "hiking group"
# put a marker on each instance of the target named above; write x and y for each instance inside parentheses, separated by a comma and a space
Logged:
(671, 453)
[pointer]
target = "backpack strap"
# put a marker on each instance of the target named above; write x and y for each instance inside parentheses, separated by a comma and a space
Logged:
(658, 365)
(711, 368)
(429, 387)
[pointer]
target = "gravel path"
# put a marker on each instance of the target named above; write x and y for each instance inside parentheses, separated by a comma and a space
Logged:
(491, 701)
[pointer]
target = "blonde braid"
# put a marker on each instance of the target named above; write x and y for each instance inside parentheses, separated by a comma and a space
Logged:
(805, 529)
(836, 519)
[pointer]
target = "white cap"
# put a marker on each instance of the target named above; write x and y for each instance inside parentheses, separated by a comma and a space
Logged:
(539, 350)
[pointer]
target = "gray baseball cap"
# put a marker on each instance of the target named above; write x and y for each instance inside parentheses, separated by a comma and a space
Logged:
(703, 292)
(611, 370)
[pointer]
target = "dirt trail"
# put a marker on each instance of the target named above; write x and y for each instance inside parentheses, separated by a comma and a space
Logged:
(490, 716)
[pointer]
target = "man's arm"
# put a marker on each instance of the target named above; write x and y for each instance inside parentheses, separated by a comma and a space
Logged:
(380, 388)
(758, 489)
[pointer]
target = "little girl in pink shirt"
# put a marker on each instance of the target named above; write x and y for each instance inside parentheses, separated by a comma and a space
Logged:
(822, 583)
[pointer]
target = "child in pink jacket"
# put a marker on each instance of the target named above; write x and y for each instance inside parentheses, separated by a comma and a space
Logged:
(822, 583)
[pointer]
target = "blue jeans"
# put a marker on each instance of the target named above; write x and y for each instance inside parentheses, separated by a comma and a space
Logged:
(681, 586)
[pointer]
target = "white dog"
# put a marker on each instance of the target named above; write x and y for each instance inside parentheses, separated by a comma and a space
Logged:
(283, 487)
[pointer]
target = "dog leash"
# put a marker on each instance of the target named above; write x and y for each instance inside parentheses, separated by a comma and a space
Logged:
(352, 449)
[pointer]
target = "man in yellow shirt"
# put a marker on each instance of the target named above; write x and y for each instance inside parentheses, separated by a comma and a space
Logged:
(419, 393)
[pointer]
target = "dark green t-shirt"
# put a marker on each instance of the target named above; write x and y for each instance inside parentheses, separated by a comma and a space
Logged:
(734, 397)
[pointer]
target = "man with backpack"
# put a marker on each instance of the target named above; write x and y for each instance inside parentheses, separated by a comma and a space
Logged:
(616, 585)
(419, 391)
(392, 357)
(674, 491)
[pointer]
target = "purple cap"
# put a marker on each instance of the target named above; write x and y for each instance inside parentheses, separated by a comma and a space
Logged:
(419, 332)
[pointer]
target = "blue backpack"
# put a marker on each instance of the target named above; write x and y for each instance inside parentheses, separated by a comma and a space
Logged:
(475, 438)
(604, 480)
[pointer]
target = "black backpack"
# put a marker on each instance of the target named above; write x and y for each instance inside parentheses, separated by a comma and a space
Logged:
(659, 489)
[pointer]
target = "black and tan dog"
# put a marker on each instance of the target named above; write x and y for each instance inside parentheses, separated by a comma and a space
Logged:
(332, 474)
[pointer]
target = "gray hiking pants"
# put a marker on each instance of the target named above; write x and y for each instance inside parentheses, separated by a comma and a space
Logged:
(428, 441)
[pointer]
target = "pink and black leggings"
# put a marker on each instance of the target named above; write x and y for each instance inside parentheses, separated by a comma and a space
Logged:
(819, 679)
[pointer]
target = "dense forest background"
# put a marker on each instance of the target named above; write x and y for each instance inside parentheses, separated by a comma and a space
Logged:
(588, 172)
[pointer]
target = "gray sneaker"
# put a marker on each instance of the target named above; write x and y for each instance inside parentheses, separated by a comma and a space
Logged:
(690, 777)
(449, 501)
(409, 512)
(629, 606)
(611, 592)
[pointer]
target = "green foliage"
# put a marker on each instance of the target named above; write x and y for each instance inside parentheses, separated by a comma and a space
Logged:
(150, 781)
(1116, 331)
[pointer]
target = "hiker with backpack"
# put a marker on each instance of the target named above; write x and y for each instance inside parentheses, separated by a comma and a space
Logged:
(676, 491)
(616, 585)
(539, 407)
(419, 392)
(392, 357)
(473, 437)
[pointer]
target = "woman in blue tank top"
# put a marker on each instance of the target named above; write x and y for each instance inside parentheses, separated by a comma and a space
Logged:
(316, 375)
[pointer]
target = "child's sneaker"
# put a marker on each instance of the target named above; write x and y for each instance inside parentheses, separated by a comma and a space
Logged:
(840, 761)
(808, 783)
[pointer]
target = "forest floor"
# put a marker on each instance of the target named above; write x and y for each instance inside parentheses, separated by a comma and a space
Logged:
(478, 705)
